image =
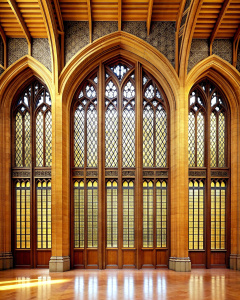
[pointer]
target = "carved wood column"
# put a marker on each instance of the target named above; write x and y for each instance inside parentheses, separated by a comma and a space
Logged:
(60, 260)
(179, 260)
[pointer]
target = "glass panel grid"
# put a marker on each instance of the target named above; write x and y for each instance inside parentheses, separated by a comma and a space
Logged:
(196, 215)
(79, 214)
(148, 136)
(44, 225)
(128, 136)
(27, 143)
(191, 139)
(92, 214)
(19, 140)
(128, 214)
(48, 139)
(161, 214)
(23, 220)
(161, 137)
(111, 137)
(112, 214)
(218, 215)
(39, 140)
(213, 140)
(92, 137)
(79, 121)
(200, 140)
(147, 214)
(221, 140)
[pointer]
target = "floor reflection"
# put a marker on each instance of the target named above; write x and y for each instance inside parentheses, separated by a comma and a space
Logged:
(128, 287)
(196, 290)
(218, 287)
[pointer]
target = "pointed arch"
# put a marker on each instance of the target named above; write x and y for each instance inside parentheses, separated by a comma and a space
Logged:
(127, 45)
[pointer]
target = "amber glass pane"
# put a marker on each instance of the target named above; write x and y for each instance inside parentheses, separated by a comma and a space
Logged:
(79, 214)
(191, 139)
(161, 137)
(92, 139)
(218, 215)
(92, 214)
(128, 136)
(44, 226)
(112, 214)
(161, 214)
(23, 221)
(19, 140)
(148, 136)
(221, 140)
(196, 215)
(147, 214)
(128, 214)
(111, 136)
(200, 140)
(79, 118)
(213, 140)
(39, 140)
(27, 142)
(48, 139)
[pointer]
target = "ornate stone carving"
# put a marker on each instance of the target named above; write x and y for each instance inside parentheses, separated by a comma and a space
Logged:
(148, 173)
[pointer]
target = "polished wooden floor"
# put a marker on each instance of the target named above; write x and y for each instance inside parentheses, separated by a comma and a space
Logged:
(214, 284)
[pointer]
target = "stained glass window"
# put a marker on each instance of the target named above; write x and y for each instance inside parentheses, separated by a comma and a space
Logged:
(147, 214)
(86, 126)
(196, 215)
(79, 214)
(154, 125)
(196, 130)
(112, 214)
(161, 214)
(44, 230)
(92, 214)
(128, 214)
(218, 215)
(23, 215)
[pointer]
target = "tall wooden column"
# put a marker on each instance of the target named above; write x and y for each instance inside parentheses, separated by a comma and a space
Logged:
(6, 258)
(179, 260)
(60, 260)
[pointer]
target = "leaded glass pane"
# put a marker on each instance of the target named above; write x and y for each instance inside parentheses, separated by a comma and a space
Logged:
(23, 220)
(196, 215)
(129, 90)
(44, 235)
(48, 139)
(27, 144)
(19, 140)
(218, 215)
(161, 214)
(161, 137)
(200, 140)
(112, 214)
(39, 140)
(148, 136)
(111, 90)
(213, 140)
(191, 139)
(92, 139)
(147, 214)
(92, 214)
(79, 214)
(149, 93)
(221, 140)
(90, 91)
(128, 215)
(79, 121)
(111, 137)
(128, 136)
(120, 70)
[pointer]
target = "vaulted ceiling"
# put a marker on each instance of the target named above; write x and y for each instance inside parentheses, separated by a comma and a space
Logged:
(23, 18)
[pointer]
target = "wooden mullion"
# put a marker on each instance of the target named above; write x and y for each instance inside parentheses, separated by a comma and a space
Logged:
(196, 115)
(154, 223)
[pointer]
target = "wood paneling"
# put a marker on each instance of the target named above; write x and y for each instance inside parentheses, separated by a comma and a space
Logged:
(43, 257)
(22, 259)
